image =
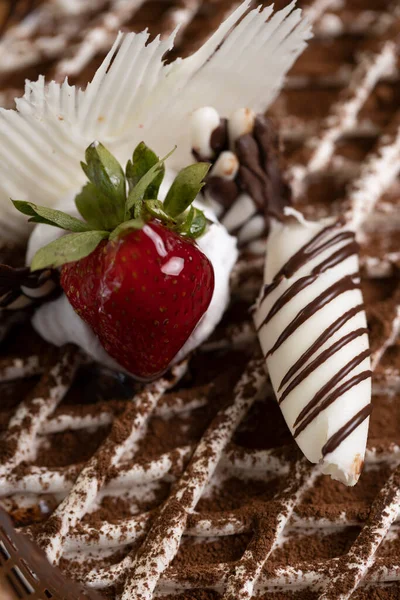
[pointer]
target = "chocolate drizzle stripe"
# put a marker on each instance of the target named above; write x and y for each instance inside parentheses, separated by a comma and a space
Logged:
(322, 358)
(337, 438)
(287, 296)
(12, 280)
(336, 258)
(299, 285)
(352, 567)
(345, 387)
(312, 249)
(329, 331)
(328, 387)
(270, 287)
(305, 254)
(345, 284)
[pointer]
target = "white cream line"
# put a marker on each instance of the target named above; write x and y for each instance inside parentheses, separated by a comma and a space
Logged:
(93, 476)
(32, 412)
(343, 114)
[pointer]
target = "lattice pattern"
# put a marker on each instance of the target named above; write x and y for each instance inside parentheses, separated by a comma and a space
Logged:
(179, 494)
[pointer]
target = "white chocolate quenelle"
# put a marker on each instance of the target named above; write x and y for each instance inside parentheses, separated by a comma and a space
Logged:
(313, 332)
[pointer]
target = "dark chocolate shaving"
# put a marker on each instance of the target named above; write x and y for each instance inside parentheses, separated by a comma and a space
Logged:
(222, 190)
(260, 175)
(219, 138)
(13, 279)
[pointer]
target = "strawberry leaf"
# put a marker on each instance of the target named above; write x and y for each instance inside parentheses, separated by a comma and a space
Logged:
(96, 208)
(185, 222)
(126, 226)
(134, 202)
(68, 248)
(142, 160)
(198, 224)
(186, 186)
(156, 209)
(106, 174)
(49, 216)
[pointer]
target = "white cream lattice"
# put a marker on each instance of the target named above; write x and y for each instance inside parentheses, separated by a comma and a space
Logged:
(188, 467)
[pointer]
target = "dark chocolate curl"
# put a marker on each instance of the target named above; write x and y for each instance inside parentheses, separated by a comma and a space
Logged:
(254, 186)
(259, 173)
(219, 137)
(268, 143)
(261, 176)
(224, 191)
(218, 142)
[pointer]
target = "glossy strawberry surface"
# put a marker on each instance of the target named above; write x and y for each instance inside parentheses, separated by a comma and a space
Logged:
(142, 294)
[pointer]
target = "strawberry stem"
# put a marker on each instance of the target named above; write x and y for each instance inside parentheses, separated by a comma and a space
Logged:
(108, 210)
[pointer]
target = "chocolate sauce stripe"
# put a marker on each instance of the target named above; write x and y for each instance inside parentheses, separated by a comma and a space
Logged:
(336, 258)
(287, 296)
(304, 257)
(339, 287)
(286, 272)
(322, 358)
(329, 331)
(289, 266)
(300, 284)
(270, 287)
(328, 387)
(309, 252)
(337, 438)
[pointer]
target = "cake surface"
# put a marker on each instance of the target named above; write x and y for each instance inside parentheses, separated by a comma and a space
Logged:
(193, 486)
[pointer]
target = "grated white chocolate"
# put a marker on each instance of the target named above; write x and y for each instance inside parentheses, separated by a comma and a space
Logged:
(317, 357)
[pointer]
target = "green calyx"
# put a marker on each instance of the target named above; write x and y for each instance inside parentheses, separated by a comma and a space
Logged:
(115, 201)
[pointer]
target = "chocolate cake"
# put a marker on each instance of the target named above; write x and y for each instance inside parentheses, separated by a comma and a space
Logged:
(191, 487)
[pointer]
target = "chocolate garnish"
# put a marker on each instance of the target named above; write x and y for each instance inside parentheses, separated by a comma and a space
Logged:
(28, 572)
(338, 324)
(222, 190)
(344, 387)
(218, 142)
(325, 239)
(219, 138)
(13, 279)
(259, 174)
(323, 507)
(312, 249)
(323, 357)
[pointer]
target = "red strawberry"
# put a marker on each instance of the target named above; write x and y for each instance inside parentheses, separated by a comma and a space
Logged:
(143, 294)
(131, 268)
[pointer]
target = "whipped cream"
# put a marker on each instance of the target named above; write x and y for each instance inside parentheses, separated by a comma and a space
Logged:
(58, 323)
(313, 332)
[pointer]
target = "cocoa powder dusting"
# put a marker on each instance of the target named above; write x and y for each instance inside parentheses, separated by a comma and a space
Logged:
(243, 502)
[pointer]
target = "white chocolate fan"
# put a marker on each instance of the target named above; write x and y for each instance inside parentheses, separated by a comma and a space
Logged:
(135, 96)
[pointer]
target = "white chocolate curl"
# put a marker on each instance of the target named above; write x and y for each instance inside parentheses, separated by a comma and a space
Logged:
(312, 330)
